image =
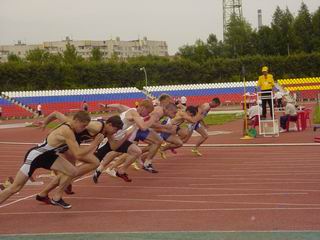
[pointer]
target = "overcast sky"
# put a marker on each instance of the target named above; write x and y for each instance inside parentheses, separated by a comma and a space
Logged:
(178, 22)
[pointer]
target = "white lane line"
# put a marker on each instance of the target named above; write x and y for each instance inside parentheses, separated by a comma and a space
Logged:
(194, 201)
(233, 194)
(256, 183)
(63, 212)
(140, 199)
(202, 188)
(261, 174)
(33, 195)
(237, 172)
(215, 177)
(16, 201)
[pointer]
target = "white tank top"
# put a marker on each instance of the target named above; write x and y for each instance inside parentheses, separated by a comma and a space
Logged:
(126, 124)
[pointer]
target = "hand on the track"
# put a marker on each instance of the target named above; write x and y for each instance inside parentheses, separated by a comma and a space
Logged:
(40, 125)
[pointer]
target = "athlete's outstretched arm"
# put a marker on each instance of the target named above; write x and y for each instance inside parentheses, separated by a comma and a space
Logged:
(121, 108)
(54, 116)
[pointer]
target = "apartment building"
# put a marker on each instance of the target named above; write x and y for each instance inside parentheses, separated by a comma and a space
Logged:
(108, 48)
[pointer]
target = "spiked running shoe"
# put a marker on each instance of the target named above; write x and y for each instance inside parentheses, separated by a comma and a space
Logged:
(196, 152)
(61, 203)
(96, 175)
(45, 199)
(149, 168)
(124, 176)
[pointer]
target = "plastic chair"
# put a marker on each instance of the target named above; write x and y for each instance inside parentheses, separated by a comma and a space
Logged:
(307, 117)
(255, 121)
(295, 120)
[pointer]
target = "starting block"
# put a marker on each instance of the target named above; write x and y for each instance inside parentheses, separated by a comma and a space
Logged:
(317, 139)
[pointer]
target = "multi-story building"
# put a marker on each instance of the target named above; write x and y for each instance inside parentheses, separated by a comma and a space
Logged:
(108, 48)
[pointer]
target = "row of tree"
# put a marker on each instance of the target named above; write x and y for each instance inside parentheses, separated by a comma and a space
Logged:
(161, 71)
(287, 35)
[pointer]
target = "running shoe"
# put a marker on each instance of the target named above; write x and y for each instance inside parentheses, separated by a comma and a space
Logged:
(196, 152)
(124, 176)
(111, 172)
(61, 203)
(96, 175)
(149, 168)
(45, 199)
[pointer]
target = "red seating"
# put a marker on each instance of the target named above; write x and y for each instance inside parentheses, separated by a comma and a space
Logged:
(307, 113)
(67, 107)
(296, 119)
(15, 111)
(255, 122)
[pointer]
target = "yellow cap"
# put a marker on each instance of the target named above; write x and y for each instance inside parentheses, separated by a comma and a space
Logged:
(265, 69)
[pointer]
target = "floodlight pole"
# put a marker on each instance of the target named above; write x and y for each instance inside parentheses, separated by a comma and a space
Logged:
(145, 75)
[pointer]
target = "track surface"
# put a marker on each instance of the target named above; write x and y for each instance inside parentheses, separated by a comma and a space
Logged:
(228, 189)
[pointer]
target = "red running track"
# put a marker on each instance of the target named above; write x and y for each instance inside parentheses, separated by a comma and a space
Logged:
(230, 189)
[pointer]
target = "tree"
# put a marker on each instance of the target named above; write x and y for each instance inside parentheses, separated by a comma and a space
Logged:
(14, 58)
(303, 29)
(70, 55)
(198, 52)
(96, 55)
(264, 42)
(37, 55)
(282, 30)
(215, 47)
(238, 37)
(316, 30)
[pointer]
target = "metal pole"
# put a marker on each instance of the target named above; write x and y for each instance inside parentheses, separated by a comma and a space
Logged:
(145, 75)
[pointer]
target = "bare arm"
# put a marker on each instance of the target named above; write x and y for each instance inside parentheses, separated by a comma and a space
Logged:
(119, 107)
(74, 147)
(144, 125)
(54, 116)
(168, 128)
(194, 119)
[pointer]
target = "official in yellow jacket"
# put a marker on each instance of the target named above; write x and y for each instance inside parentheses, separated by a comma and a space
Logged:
(266, 84)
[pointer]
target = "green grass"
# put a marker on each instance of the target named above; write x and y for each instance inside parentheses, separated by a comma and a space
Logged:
(316, 116)
(220, 119)
(212, 119)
